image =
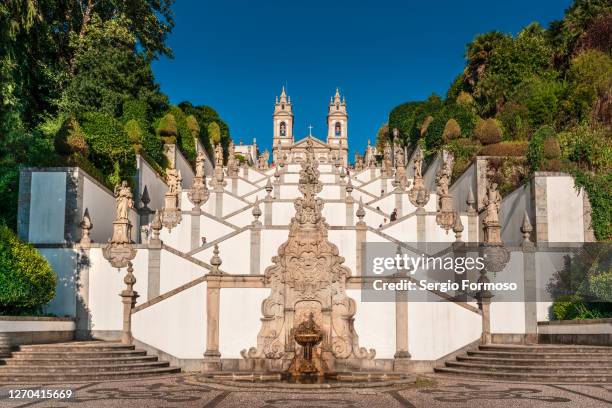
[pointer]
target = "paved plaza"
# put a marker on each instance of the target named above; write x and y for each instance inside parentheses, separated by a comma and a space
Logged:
(193, 390)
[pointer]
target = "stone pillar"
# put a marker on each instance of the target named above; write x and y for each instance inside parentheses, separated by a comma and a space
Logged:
(401, 332)
(219, 202)
(83, 323)
(399, 203)
(541, 208)
(483, 298)
(128, 298)
(268, 211)
(195, 227)
(529, 276)
(350, 211)
(212, 356)
(256, 239)
(361, 231)
(421, 226)
(234, 185)
(154, 271)
(277, 189)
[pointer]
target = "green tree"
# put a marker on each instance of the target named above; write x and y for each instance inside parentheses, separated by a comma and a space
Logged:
(108, 70)
(214, 133)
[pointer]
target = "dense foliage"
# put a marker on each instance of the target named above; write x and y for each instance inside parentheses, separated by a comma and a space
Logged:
(77, 89)
(545, 93)
(26, 279)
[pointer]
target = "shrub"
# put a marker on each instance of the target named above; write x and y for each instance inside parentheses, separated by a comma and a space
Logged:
(535, 151)
(426, 122)
(488, 131)
(551, 148)
(167, 129)
(540, 97)
(194, 127)
(135, 109)
(27, 281)
(71, 139)
(108, 144)
(514, 118)
(508, 148)
(465, 99)
(134, 132)
(214, 133)
(185, 139)
(451, 130)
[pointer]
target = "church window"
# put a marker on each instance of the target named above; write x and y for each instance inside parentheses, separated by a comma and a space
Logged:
(283, 129)
(283, 106)
(338, 129)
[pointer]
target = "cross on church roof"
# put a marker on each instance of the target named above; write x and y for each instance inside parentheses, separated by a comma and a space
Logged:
(310, 130)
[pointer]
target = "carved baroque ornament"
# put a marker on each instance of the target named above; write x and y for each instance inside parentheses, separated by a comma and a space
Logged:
(307, 276)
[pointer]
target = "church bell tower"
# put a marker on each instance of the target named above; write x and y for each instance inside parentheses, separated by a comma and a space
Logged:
(282, 124)
(337, 127)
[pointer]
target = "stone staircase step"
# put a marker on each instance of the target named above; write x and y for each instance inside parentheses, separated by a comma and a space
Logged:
(541, 362)
(550, 349)
(80, 361)
(76, 361)
(535, 377)
(77, 347)
(83, 377)
(77, 354)
(540, 356)
(536, 369)
(4, 370)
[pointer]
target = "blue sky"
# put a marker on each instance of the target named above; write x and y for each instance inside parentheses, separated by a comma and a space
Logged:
(236, 55)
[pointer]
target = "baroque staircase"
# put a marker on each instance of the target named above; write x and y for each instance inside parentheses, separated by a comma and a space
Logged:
(80, 361)
(542, 363)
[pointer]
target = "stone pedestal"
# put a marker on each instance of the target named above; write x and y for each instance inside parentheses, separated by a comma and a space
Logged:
(446, 215)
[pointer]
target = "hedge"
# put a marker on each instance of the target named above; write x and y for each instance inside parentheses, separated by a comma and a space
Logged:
(27, 281)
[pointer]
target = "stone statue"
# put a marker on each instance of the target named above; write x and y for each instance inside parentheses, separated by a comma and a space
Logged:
(218, 155)
(173, 179)
(387, 159)
(492, 203)
(400, 160)
(418, 162)
(200, 160)
(446, 216)
(232, 163)
(124, 200)
(443, 178)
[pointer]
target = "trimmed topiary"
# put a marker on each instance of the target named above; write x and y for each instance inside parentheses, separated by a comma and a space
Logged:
(214, 133)
(192, 124)
(426, 122)
(167, 128)
(551, 148)
(488, 131)
(27, 281)
(465, 99)
(71, 139)
(134, 132)
(507, 148)
(452, 130)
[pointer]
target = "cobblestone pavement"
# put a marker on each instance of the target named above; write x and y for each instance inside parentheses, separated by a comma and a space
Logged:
(193, 390)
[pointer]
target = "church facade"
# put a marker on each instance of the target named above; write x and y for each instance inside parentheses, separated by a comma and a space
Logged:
(284, 145)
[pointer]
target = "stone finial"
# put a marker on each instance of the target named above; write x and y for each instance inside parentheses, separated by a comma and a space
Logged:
(526, 229)
(360, 212)
(215, 261)
(458, 228)
(86, 226)
(269, 187)
(144, 198)
(349, 186)
(471, 207)
(128, 298)
(277, 174)
(156, 226)
(256, 210)
(342, 174)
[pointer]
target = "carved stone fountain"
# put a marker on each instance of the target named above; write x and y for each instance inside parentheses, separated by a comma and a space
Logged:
(307, 324)
(307, 334)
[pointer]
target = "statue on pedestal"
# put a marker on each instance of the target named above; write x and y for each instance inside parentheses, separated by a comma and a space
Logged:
(120, 250)
(446, 214)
